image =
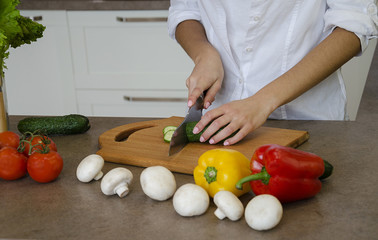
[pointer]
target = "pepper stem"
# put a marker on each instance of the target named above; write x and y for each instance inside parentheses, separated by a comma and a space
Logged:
(328, 168)
(210, 174)
(263, 176)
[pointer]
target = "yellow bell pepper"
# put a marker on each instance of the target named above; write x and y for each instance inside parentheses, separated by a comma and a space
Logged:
(221, 169)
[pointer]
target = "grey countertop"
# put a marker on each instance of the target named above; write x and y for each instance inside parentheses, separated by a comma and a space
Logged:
(93, 5)
(346, 207)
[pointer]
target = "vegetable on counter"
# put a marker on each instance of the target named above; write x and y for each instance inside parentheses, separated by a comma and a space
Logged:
(263, 212)
(32, 143)
(9, 139)
(34, 154)
(286, 173)
(15, 30)
(191, 200)
(45, 166)
(220, 169)
(12, 164)
(158, 183)
(228, 206)
(90, 168)
(117, 181)
(60, 125)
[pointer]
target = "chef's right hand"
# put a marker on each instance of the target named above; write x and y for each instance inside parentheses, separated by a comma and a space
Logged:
(207, 75)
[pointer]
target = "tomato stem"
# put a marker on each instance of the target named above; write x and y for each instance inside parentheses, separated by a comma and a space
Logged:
(28, 137)
(21, 146)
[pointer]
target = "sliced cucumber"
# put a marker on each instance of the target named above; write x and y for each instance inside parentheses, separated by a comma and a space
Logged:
(169, 128)
(168, 135)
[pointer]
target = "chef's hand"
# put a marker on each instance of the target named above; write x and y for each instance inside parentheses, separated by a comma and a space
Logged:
(207, 75)
(244, 115)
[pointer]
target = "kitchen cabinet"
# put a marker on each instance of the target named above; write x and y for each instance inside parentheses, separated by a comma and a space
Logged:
(126, 65)
(99, 63)
(39, 78)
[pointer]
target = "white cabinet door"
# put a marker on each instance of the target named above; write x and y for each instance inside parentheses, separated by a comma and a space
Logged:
(39, 79)
(126, 50)
(126, 65)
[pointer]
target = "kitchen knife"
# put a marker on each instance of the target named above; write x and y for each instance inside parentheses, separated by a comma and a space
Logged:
(179, 139)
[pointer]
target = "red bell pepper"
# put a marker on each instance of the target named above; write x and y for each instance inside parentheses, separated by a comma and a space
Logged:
(286, 173)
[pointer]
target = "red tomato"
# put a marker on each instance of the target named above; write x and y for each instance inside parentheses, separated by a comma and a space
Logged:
(45, 167)
(39, 140)
(9, 139)
(12, 164)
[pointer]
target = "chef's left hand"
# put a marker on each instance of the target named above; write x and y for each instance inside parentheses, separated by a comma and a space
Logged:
(244, 115)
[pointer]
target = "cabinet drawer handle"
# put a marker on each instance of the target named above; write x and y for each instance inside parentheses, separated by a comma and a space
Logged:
(142, 19)
(153, 99)
(37, 18)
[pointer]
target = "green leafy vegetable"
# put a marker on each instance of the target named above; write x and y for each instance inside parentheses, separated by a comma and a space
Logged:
(15, 30)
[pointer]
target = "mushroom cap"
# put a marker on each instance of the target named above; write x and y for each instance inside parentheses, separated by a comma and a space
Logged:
(116, 181)
(158, 183)
(190, 200)
(90, 168)
(228, 206)
(263, 212)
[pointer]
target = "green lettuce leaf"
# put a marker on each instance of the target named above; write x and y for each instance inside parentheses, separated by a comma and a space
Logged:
(15, 30)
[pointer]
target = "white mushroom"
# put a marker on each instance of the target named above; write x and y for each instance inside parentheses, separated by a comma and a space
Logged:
(158, 183)
(228, 206)
(190, 200)
(263, 212)
(90, 168)
(117, 181)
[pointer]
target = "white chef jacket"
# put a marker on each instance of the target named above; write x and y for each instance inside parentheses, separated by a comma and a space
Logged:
(259, 40)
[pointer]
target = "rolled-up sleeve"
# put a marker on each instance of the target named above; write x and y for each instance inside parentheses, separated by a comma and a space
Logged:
(355, 16)
(179, 11)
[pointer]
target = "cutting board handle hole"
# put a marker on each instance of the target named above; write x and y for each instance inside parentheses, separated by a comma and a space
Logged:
(123, 136)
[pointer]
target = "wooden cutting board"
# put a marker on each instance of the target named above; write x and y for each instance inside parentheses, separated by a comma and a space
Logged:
(142, 144)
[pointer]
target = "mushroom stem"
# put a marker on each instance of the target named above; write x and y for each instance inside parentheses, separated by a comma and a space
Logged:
(98, 176)
(228, 206)
(220, 214)
(122, 190)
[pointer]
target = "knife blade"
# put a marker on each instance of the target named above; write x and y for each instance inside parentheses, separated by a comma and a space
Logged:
(179, 139)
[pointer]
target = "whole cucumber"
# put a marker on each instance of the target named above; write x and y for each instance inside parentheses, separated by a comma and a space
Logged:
(57, 125)
(196, 137)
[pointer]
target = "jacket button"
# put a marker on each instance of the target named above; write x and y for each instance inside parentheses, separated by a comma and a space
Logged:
(256, 19)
